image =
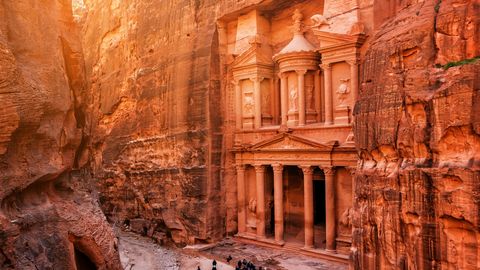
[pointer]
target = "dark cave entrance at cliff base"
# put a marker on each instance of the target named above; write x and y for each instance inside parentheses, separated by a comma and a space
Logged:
(83, 262)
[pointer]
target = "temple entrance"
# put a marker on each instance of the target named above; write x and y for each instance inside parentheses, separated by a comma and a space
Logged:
(294, 205)
(269, 205)
(319, 213)
(83, 262)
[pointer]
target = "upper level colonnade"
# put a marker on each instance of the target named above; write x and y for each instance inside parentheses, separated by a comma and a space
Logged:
(302, 84)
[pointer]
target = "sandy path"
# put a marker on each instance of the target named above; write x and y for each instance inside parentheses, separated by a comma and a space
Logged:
(141, 253)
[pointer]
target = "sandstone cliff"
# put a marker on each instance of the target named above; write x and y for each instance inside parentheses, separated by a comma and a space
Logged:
(48, 218)
(417, 130)
(158, 115)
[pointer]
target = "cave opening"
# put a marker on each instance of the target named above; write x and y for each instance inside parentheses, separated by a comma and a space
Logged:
(83, 262)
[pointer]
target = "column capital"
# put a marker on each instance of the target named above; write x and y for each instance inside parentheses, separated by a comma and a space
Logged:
(307, 169)
(352, 170)
(240, 167)
(282, 75)
(236, 82)
(301, 71)
(328, 170)
(277, 168)
(259, 168)
(257, 79)
(326, 66)
(353, 62)
(221, 25)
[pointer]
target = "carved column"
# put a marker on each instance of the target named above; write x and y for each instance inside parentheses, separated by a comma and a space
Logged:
(301, 96)
(278, 201)
(260, 179)
(317, 95)
(352, 170)
(354, 78)
(283, 97)
(327, 71)
(257, 96)
(330, 207)
(242, 214)
(273, 101)
(308, 205)
(238, 105)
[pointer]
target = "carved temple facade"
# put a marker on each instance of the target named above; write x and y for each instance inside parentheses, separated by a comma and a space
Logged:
(293, 146)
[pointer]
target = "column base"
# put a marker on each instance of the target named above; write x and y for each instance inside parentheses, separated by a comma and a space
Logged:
(331, 250)
(308, 248)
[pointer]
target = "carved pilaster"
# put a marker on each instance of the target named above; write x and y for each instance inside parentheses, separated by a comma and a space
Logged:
(278, 201)
(301, 96)
(241, 202)
(283, 97)
(330, 207)
(260, 181)
(240, 167)
(327, 70)
(257, 96)
(318, 96)
(354, 77)
(238, 104)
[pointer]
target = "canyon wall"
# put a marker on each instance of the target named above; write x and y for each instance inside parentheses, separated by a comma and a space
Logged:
(154, 72)
(417, 129)
(48, 216)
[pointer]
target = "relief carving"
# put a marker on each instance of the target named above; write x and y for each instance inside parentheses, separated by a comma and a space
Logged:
(252, 205)
(293, 98)
(248, 105)
(343, 90)
(318, 20)
(265, 100)
(309, 94)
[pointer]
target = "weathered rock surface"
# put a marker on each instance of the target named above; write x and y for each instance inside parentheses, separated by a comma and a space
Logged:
(158, 143)
(48, 218)
(418, 134)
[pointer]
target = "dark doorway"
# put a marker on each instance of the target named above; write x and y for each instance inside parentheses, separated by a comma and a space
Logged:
(83, 262)
(269, 203)
(319, 202)
(319, 210)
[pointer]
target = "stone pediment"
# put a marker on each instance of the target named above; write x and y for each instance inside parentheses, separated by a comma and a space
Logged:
(288, 141)
(334, 40)
(253, 56)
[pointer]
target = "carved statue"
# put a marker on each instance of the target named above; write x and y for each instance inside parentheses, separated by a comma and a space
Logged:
(293, 98)
(319, 20)
(252, 205)
(309, 94)
(265, 101)
(248, 105)
(343, 90)
(346, 218)
(297, 22)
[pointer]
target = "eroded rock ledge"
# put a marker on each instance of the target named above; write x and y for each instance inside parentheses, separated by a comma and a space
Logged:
(417, 132)
(48, 216)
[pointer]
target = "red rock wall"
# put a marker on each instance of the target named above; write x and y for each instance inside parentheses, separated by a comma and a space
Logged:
(47, 209)
(418, 134)
(154, 71)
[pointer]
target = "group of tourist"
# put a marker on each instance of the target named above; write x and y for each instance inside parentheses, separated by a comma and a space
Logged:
(241, 265)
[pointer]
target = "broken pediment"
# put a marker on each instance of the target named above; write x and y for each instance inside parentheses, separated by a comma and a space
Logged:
(287, 141)
(333, 40)
(255, 55)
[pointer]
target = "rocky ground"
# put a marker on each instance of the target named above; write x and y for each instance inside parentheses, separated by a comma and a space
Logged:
(138, 252)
